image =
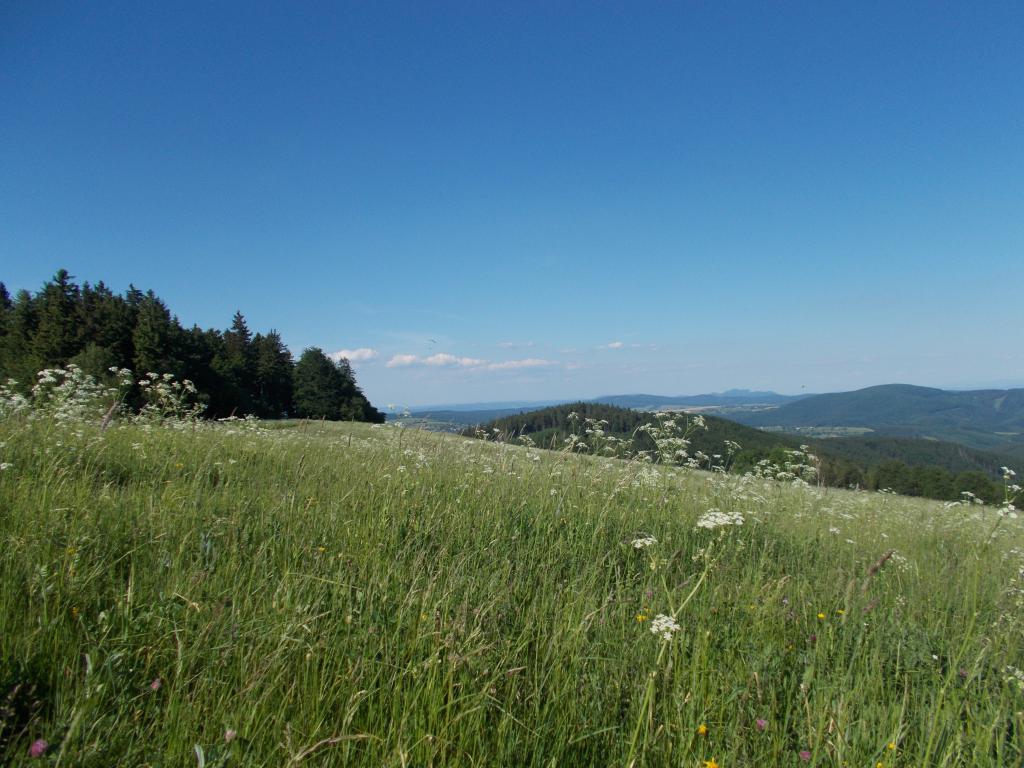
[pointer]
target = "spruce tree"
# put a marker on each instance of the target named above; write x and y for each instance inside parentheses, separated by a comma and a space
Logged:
(155, 338)
(273, 375)
(318, 386)
(56, 338)
(17, 357)
(236, 364)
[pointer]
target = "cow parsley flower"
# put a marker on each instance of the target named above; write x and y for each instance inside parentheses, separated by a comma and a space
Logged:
(644, 542)
(665, 626)
(715, 518)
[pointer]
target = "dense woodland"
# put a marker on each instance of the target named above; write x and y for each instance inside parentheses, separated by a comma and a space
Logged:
(236, 372)
(900, 465)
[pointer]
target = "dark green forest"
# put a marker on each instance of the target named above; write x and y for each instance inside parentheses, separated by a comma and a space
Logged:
(906, 466)
(237, 373)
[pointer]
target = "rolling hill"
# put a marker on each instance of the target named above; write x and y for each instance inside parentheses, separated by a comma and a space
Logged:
(984, 419)
(912, 466)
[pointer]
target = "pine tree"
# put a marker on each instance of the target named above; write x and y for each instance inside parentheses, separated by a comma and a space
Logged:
(155, 338)
(56, 338)
(6, 305)
(318, 386)
(17, 358)
(236, 364)
(328, 390)
(274, 366)
(107, 321)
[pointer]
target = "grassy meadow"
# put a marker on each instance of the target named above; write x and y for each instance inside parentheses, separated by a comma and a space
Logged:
(339, 594)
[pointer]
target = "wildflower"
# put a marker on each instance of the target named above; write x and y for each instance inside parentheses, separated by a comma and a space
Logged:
(644, 542)
(38, 748)
(156, 684)
(715, 518)
(762, 724)
(891, 746)
(821, 616)
(805, 755)
(641, 617)
(702, 730)
(711, 763)
(665, 626)
(229, 735)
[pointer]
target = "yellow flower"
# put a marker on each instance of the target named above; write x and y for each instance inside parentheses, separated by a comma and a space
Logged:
(711, 763)
(840, 612)
(821, 615)
(641, 617)
(702, 730)
(891, 746)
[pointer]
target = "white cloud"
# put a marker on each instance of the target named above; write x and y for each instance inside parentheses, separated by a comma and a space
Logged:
(360, 355)
(615, 345)
(510, 365)
(400, 361)
(444, 359)
(515, 344)
(440, 360)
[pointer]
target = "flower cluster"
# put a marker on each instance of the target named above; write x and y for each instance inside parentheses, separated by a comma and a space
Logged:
(665, 626)
(715, 518)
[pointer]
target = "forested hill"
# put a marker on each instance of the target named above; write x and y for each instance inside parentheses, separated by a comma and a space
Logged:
(908, 466)
(987, 418)
(235, 371)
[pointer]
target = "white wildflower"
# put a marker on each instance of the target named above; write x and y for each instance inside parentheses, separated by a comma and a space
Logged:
(665, 626)
(715, 518)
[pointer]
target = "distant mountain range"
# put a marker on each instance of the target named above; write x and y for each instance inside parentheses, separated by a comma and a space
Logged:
(985, 419)
(727, 399)
(478, 413)
(990, 419)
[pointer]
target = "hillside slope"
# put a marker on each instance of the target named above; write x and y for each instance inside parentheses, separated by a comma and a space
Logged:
(915, 467)
(323, 595)
(979, 418)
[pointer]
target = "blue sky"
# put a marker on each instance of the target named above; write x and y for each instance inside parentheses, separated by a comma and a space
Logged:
(538, 200)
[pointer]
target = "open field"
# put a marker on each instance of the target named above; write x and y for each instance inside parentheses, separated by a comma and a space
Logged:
(324, 595)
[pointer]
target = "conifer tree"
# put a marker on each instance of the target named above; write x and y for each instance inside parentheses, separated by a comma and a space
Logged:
(273, 369)
(56, 337)
(17, 357)
(234, 371)
(236, 364)
(318, 386)
(154, 338)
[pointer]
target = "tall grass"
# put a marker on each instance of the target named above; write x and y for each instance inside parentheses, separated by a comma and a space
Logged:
(324, 595)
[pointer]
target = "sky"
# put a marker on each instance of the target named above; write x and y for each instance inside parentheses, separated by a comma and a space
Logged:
(523, 201)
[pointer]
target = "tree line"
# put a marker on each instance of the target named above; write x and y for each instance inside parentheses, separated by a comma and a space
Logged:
(236, 372)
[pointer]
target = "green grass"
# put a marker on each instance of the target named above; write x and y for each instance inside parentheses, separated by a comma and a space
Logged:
(347, 595)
